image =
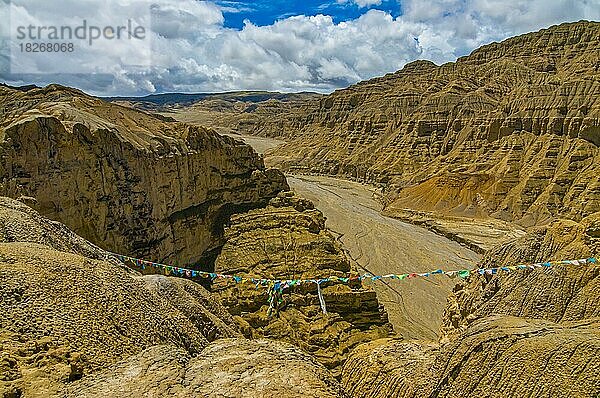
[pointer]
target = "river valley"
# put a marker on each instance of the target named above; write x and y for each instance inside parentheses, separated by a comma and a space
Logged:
(382, 245)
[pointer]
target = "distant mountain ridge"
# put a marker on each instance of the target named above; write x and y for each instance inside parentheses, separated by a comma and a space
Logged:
(236, 111)
(161, 101)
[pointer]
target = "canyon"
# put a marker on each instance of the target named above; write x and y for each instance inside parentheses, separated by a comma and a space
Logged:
(509, 132)
(94, 178)
(488, 161)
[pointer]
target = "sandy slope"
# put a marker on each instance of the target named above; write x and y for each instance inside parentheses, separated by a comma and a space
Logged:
(260, 144)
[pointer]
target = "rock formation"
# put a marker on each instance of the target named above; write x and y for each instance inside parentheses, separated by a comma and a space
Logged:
(510, 131)
(77, 326)
(238, 112)
(498, 356)
(64, 315)
(124, 179)
(134, 183)
(288, 240)
(563, 293)
(226, 368)
(20, 223)
(527, 334)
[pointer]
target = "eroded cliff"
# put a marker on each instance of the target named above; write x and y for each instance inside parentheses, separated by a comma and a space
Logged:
(510, 131)
(288, 240)
(75, 322)
(67, 309)
(498, 356)
(124, 179)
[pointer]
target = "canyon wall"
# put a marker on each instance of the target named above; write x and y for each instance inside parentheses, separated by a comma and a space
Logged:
(127, 181)
(510, 131)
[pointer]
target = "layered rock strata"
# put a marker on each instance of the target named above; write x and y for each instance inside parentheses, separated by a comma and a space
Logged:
(562, 293)
(510, 131)
(126, 180)
(498, 356)
(288, 240)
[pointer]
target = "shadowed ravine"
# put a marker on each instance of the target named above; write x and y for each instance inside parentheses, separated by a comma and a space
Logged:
(382, 245)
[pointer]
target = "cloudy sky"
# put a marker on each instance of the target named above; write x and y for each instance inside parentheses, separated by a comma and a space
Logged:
(293, 45)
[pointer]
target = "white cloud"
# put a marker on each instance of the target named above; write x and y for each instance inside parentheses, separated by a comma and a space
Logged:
(186, 19)
(194, 51)
(467, 24)
(361, 3)
(233, 6)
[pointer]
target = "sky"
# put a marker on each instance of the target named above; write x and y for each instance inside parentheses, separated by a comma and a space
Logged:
(289, 46)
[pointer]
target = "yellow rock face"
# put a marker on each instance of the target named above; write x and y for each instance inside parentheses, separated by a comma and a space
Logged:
(227, 367)
(498, 356)
(124, 179)
(525, 333)
(288, 240)
(511, 131)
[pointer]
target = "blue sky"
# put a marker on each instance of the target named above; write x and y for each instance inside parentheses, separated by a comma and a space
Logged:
(266, 12)
(288, 46)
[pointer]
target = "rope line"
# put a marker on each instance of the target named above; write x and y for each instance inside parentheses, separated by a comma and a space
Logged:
(277, 286)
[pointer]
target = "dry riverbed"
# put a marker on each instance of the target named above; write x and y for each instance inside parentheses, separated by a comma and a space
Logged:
(383, 245)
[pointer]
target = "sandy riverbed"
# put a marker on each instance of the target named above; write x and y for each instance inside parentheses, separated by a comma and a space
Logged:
(382, 245)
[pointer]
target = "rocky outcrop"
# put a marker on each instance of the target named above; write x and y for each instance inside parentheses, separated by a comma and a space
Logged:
(288, 240)
(522, 358)
(390, 368)
(155, 372)
(126, 180)
(511, 131)
(521, 334)
(226, 368)
(63, 316)
(563, 293)
(499, 356)
(75, 326)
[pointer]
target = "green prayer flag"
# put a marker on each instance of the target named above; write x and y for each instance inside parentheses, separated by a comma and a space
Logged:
(464, 273)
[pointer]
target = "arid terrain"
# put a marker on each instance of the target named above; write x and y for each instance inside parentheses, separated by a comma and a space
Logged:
(508, 132)
(381, 245)
(489, 161)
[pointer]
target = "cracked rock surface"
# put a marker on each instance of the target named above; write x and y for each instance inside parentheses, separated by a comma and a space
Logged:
(225, 368)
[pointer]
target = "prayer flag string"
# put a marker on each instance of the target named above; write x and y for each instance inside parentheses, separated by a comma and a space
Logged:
(277, 286)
